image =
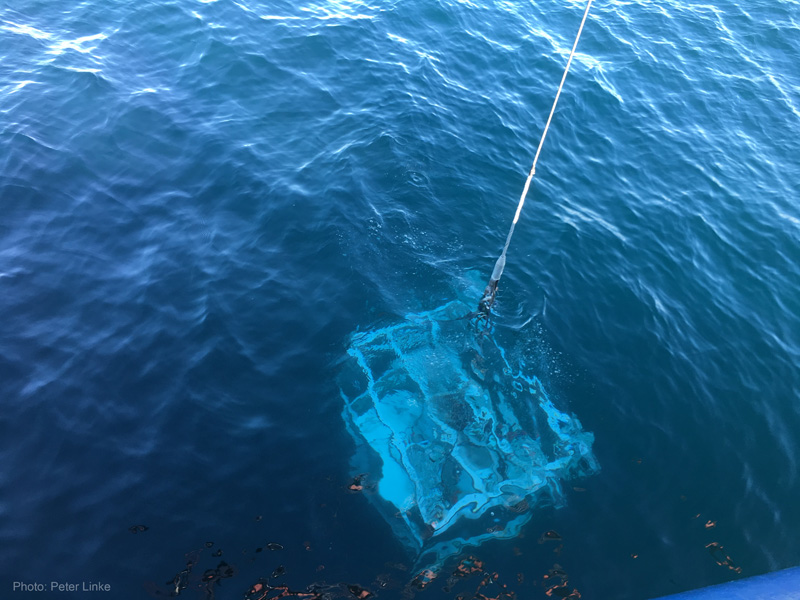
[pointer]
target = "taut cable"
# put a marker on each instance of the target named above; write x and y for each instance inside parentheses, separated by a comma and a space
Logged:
(489, 294)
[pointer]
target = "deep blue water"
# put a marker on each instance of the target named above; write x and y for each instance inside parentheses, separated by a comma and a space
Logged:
(200, 201)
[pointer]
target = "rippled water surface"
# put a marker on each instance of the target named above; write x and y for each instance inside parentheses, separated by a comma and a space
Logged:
(200, 201)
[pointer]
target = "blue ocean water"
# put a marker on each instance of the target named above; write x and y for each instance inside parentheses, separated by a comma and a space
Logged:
(201, 200)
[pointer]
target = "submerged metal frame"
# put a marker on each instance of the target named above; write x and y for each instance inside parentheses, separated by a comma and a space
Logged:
(467, 445)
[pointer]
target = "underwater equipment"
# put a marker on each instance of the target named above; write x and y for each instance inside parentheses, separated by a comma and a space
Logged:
(466, 440)
(461, 440)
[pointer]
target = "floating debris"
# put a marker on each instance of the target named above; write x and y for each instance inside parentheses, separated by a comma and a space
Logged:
(256, 590)
(386, 581)
(181, 580)
(138, 528)
(550, 536)
(423, 579)
(563, 590)
(261, 590)
(357, 485)
(359, 592)
(721, 558)
(556, 583)
(280, 570)
(468, 566)
(209, 544)
(557, 571)
(223, 571)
